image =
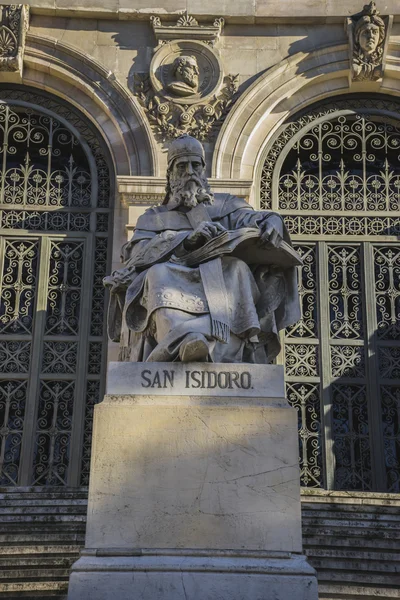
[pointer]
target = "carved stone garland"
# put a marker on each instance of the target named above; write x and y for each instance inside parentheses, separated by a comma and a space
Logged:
(171, 120)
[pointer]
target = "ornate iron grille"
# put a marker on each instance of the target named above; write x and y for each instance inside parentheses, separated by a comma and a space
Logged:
(55, 189)
(334, 173)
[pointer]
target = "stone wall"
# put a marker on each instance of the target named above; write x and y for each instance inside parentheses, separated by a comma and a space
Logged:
(240, 10)
(126, 47)
(263, 55)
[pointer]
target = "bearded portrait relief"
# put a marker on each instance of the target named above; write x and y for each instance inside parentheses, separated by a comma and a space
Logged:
(369, 32)
(185, 76)
(186, 72)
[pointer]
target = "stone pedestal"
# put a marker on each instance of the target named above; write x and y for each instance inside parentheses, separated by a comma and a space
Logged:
(194, 491)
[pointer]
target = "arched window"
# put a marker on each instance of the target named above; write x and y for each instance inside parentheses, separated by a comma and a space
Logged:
(333, 171)
(54, 221)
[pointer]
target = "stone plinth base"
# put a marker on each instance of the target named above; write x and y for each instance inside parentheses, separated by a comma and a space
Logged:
(197, 575)
(201, 458)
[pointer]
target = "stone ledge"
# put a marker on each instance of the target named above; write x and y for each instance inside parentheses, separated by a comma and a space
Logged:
(236, 11)
(329, 496)
(138, 190)
(186, 560)
(187, 577)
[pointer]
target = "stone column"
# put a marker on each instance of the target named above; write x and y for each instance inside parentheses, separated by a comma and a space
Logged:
(194, 491)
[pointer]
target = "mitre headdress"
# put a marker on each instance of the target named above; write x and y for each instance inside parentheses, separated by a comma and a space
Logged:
(185, 145)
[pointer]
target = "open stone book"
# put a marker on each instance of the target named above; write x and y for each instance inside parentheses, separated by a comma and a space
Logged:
(244, 244)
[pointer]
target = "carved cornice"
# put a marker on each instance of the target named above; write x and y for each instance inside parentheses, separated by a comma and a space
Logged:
(151, 190)
(187, 28)
(13, 27)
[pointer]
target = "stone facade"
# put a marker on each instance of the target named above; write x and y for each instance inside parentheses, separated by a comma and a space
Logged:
(278, 69)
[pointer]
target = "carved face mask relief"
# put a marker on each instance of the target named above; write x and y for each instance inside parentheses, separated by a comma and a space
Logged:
(369, 38)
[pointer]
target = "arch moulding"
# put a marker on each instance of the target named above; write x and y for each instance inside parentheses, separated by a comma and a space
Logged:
(85, 84)
(283, 90)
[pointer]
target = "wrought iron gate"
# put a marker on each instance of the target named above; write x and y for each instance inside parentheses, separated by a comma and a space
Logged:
(55, 189)
(334, 172)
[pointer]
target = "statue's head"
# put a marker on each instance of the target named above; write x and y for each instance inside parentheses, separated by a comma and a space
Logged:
(185, 69)
(187, 184)
(369, 32)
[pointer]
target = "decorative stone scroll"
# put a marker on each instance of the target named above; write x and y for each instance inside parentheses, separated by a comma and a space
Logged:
(368, 39)
(185, 90)
(13, 27)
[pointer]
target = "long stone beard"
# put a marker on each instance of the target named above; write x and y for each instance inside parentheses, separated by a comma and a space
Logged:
(191, 80)
(190, 190)
(188, 77)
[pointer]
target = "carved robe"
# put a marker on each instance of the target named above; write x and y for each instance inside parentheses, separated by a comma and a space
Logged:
(155, 301)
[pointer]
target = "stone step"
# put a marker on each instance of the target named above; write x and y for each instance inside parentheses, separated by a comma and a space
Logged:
(360, 532)
(353, 541)
(356, 565)
(36, 535)
(40, 561)
(357, 577)
(393, 508)
(19, 494)
(32, 595)
(347, 523)
(39, 549)
(321, 541)
(50, 502)
(328, 591)
(39, 587)
(33, 531)
(353, 553)
(392, 515)
(17, 539)
(42, 510)
(45, 518)
(45, 574)
(310, 496)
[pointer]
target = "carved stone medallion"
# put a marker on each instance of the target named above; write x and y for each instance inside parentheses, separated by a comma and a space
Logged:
(185, 90)
(186, 72)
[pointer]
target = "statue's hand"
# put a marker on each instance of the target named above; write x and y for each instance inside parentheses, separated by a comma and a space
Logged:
(202, 234)
(271, 236)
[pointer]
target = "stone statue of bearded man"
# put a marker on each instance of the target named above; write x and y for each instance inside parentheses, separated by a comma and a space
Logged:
(206, 277)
